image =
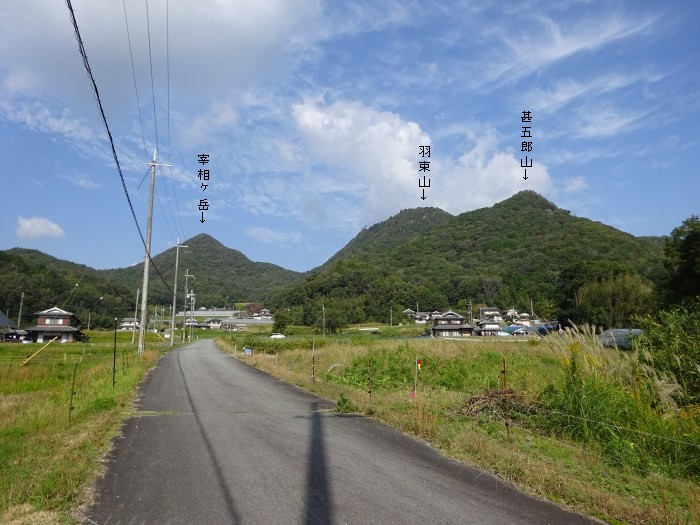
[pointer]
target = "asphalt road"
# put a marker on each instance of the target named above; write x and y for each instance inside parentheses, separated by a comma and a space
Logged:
(225, 443)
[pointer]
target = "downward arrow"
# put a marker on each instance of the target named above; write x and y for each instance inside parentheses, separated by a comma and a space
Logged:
(423, 197)
(525, 176)
(202, 219)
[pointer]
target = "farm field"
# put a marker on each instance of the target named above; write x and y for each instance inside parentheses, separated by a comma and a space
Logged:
(577, 434)
(48, 463)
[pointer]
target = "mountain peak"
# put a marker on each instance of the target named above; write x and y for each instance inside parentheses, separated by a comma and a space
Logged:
(527, 199)
(394, 231)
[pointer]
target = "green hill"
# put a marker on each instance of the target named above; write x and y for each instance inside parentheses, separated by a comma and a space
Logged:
(47, 282)
(223, 275)
(522, 249)
(395, 231)
(508, 254)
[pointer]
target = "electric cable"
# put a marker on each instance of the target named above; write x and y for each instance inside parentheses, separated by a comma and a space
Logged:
(96, 93)
(133, 74)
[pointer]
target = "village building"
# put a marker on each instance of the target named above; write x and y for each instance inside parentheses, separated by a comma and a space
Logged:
(451, 324)
(56, 324)
(129, 323)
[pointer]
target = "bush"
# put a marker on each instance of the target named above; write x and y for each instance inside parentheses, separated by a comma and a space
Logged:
(632, 432)
(345, 405)
(672, 339)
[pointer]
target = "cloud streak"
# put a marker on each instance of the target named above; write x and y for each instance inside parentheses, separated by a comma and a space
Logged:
(37, 227)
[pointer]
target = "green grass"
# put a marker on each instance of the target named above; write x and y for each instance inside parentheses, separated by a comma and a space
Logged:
(459, 408)
(46, 462)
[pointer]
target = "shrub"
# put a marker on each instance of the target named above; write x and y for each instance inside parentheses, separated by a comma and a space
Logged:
(672, 340)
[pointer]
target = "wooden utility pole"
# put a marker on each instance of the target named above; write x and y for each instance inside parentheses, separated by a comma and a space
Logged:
(19, 317)
(172, 322)
(147, 257)
(184, 323)
(136, 309)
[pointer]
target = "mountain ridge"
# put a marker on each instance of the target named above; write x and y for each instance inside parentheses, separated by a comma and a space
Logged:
(509, 252)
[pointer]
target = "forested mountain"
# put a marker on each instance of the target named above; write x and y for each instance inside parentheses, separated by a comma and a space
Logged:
(395, 231)
(47, 282)
(223, 275)
(521, 249)
(516, 251)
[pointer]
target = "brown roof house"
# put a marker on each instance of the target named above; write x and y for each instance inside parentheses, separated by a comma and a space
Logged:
(451, 324)
(56, 323)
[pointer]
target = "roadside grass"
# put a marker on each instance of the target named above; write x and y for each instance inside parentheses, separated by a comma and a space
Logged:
(47, 463)
(459, 408)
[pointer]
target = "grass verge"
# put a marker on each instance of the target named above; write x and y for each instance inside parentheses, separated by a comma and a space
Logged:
(459, 409)
(46, 462)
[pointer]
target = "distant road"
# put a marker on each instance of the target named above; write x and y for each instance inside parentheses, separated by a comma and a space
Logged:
(225, 443)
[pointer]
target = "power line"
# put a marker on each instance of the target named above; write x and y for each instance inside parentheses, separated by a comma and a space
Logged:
(167, 64)
(150, 60)
(86, 63)
(162, 210)
(133, 74)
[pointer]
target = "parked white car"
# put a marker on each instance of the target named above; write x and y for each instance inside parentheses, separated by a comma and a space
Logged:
(277, 336)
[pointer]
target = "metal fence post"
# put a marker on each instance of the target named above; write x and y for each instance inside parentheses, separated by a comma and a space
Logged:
(72, 393)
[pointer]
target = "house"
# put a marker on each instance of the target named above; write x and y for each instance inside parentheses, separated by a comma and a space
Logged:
(212, 323)
(511, 313)
(57, 324)
(240, 327)
(129, 323)
(9, 331)
(421, 317)
(523, 319)
(229, 323)
(265, 314)
(488, 327)
(451, 324)
(490, 313)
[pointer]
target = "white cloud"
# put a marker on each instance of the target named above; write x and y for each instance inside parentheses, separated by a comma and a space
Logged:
(552, 99)
(36, 116)
(540, 46)
(606, 121)
(270, 236)
(80, 180)
(35, 227)
(221, 117)
(575, 185)
(378, 151)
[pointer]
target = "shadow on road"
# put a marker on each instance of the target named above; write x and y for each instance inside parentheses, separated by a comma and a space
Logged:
(318, 490)
(225, 491)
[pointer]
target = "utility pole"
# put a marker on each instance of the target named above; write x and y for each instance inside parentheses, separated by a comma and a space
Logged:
(391, 316)
(177, 262)
(136, 309)
(147, 257)
(184, 322)
(324, 319)
(19, 317)
(193, 300)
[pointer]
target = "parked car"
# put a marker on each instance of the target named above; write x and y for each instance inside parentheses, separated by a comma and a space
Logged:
(277, 336)
(502, 333)
(619, 337)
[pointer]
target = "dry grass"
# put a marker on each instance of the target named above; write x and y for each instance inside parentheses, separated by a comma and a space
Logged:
(569, 473)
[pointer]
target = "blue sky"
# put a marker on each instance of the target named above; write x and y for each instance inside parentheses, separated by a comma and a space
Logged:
(313, 112)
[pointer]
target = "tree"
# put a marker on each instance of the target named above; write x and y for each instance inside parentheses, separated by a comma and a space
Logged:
(613, 302)
(282, 318)
(682, 252)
